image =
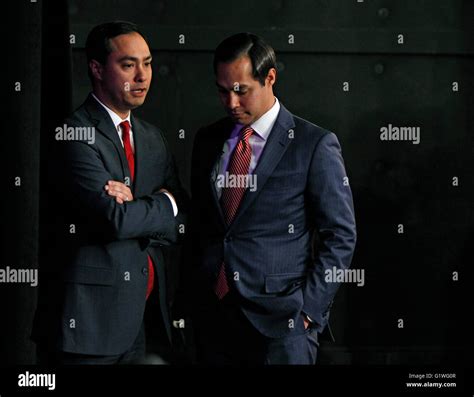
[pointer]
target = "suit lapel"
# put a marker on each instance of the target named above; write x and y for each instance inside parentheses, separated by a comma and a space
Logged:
(143, 153)
(103, 123)
(216, 153)
(212, 186)
(278, 142)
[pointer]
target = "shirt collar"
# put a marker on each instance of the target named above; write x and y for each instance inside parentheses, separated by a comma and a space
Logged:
(116, 119)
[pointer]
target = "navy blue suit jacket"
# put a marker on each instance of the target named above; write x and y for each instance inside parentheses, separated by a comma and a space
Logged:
(94, 280)
(268, 249)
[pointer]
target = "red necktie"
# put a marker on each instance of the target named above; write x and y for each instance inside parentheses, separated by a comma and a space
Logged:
(131, 165)
(231, 196)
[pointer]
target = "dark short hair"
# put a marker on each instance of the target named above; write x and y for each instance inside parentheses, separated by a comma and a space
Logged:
(260, 53)
(98, 41)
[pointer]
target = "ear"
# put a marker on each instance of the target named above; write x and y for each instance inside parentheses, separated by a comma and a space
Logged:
(96, 69)
(271, 76)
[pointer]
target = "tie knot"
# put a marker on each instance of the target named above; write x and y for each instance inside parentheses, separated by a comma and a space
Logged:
(125, 125)
(245, 133)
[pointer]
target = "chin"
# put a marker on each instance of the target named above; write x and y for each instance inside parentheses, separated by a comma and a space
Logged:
(136, 103)
(244, 120)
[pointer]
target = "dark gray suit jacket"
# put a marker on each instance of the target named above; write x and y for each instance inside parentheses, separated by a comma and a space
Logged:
(94, 270)
(268, 248)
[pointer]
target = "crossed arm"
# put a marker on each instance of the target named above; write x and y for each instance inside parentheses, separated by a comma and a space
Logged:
(121, 192)
(150, 216)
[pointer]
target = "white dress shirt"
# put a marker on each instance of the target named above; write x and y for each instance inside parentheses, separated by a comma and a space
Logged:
(262, 127)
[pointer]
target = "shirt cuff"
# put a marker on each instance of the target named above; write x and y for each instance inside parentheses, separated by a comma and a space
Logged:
(173, 203)
(310, 320)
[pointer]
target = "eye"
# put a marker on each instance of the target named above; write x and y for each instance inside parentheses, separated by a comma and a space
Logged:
(147, 63)
(127, 65)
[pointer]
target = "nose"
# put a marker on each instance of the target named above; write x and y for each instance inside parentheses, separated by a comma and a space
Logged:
(233, 100)
(141, 75)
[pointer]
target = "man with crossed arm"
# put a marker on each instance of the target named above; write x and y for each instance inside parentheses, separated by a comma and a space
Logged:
(117, 202)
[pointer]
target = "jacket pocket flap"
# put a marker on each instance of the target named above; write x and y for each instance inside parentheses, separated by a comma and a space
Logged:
(283, 282)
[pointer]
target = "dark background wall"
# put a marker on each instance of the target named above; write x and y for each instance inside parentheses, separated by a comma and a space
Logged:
(408, 276)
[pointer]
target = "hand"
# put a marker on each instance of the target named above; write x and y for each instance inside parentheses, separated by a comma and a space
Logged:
(119, 190)
(305, 322)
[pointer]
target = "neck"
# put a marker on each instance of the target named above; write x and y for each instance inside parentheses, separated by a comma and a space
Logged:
(268, 107)
(270, 103)
(105, 100)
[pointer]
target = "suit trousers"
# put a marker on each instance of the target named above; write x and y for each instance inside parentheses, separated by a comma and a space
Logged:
(224, 336)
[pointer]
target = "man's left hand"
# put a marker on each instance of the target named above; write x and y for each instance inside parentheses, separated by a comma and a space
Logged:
(119, 190)
(305, 321)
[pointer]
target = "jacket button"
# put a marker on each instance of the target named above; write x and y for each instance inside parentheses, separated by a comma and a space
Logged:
(145, 271)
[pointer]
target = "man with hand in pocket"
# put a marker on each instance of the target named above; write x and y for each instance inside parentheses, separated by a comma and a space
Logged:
(264, 181)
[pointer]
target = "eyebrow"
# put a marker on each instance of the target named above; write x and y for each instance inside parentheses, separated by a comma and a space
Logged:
(134, 59)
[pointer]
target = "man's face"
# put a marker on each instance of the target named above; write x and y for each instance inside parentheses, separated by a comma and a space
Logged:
(124, 80)
(243, 97)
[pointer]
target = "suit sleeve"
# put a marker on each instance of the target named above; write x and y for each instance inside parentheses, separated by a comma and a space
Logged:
(149, 216)
(331, 200)
(173, 185)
